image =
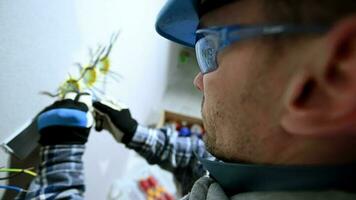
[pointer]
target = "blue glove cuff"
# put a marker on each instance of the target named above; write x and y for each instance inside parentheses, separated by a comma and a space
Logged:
(63, 117)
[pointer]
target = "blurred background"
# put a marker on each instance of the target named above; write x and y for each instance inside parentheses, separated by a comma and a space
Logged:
(42, 40)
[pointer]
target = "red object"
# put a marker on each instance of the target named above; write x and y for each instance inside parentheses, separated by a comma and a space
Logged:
(144, 185)
(152, 181)
(168, 196)
(178, 126)
(160, 198)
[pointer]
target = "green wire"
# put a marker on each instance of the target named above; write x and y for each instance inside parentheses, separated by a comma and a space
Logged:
(26, 171)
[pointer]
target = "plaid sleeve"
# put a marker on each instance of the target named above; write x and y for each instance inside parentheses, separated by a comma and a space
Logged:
(173, 153)
(60, 174)
(164, 147)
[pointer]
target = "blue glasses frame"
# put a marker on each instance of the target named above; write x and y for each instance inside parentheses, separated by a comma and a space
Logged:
(211, 41)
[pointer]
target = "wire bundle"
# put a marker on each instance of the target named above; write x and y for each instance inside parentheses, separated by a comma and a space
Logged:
(16, 172)
(10, 187)
(99, 66)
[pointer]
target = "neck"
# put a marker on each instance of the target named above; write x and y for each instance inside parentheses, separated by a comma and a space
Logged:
(330, 151)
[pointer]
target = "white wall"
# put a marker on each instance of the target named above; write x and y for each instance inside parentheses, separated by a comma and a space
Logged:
(142, 57)
(181, 96)
(36, 49)
(40, 41)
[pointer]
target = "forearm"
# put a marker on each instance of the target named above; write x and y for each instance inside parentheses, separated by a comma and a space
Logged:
(60, 174)
(165, 148)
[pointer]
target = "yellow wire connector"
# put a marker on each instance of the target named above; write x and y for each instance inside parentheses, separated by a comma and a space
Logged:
(90, 74)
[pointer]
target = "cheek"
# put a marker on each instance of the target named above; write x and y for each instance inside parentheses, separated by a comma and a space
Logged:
(230, 90)
(222, 91)
(224, 86)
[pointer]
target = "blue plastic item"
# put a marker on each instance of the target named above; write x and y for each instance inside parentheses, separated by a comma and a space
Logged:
(178, 21)
(185, 132)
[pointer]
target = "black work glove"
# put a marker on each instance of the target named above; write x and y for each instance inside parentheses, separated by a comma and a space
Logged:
(67, 121)
(116, 118)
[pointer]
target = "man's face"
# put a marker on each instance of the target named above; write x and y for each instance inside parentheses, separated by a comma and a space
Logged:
(241, 97)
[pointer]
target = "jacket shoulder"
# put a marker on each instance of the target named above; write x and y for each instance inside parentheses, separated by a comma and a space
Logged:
(302, 195)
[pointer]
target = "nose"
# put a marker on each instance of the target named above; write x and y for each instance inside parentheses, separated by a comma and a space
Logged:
(198, 82)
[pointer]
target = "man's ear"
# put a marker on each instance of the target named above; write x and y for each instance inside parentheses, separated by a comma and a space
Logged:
(321, 98)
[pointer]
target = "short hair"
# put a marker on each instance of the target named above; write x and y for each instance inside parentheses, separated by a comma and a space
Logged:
(304, 12)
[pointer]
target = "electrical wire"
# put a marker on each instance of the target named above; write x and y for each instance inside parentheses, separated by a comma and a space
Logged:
(98, 58)
(11, 176)
(10, 187)
(26, 171)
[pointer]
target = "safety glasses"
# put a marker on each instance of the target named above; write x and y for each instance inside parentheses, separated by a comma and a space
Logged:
(211, 41)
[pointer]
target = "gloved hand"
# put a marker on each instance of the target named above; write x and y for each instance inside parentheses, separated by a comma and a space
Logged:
(67, 121)
(116, 118)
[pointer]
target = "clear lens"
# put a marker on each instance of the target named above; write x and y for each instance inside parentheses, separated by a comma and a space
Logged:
(206, 49)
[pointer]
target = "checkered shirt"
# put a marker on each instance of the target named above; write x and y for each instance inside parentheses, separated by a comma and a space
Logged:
(173, 153)
(61, 171)
(60, 174)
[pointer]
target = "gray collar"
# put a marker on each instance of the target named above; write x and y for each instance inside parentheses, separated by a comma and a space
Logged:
(236, 177)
